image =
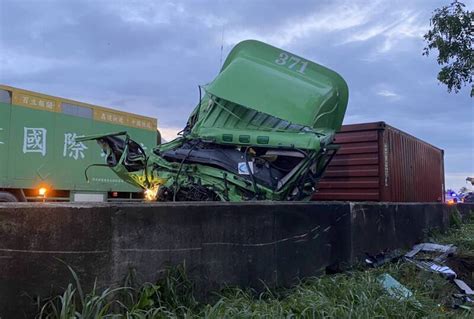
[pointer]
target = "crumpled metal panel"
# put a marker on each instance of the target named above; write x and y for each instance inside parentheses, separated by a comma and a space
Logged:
(270, 80)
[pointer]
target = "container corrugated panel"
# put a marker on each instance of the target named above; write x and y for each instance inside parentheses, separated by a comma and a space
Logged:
(377, 162)
(415, 170)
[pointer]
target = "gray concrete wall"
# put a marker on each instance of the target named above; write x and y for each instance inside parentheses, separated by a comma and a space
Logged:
(220, 243)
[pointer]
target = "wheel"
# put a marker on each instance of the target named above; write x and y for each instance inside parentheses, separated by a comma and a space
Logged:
(7, 197)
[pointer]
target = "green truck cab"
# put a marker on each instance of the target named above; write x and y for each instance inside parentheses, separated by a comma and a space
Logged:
(40, 158)
(263, 130)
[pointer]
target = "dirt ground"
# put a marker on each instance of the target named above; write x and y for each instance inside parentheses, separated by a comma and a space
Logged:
(463, 265)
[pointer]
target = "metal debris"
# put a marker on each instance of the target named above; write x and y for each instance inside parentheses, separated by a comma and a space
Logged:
(382, 258)
(434, 262)
(463, 287)
(431, 262)
(445, 271)
(445, 250)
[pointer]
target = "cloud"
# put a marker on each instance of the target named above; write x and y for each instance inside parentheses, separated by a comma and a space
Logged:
(147, 13)
(331, 19)
(149, 57)
(169, 133)
(392, 31)
(26, 64)
(387, 93)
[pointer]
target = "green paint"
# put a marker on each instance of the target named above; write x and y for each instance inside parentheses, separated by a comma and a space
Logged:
(27, 167)
(269, 80)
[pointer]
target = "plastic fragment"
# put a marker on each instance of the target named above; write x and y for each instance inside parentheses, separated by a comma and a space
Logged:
(393, 287)
(430, 266)
(464, 287)
(465, 307)
(444, 270)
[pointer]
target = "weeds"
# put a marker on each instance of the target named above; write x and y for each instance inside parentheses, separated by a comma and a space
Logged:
(455, 218)
(171, 297)
(74, 304)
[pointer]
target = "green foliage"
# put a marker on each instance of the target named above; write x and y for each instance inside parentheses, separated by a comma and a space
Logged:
(455, 218)
(170, 297)
(74, 304)
(451, 34)
(354, 295)
(463, 238)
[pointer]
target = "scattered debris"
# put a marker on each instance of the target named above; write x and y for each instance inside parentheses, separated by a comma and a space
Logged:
(429, 256)
(463, 297)
(445, 250)
(383, 258)
(394, 288)
(430, 266)
(464, 307)
(433, 257)
(463, 302)
(444, 270)
(464, 287)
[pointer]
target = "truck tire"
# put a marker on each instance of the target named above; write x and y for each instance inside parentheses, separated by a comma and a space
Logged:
(7, 197)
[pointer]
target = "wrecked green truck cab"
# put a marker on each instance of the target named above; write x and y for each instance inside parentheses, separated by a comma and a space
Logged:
(263, 130)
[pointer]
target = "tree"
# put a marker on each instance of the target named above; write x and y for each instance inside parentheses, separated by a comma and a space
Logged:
(452, 35)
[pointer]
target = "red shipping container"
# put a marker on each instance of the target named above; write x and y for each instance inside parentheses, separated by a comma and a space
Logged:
(377, 162)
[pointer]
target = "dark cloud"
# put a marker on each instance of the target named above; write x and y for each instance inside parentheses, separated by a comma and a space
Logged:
(150, 56)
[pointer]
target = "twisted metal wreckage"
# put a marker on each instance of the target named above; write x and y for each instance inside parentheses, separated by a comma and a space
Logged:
(263, 130)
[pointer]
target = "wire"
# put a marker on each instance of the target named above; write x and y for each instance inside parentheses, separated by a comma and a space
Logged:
(226, 187)
(87, 168)
(176, 186)
(250, 172)
(148, 184)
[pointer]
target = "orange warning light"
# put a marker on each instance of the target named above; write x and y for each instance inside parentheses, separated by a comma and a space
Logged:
(42, 191)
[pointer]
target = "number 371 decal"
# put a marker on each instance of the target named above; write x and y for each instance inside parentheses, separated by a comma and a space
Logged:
(291, 62)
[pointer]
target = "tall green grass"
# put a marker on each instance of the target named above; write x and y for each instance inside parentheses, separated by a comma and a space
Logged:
(171, 297)
(356, 294)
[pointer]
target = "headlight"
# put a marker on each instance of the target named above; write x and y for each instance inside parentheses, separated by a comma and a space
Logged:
(150, 193)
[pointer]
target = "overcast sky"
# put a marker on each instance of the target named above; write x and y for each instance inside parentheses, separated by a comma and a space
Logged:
(149, 57)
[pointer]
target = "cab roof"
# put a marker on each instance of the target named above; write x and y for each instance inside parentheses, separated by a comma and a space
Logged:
(273, 81)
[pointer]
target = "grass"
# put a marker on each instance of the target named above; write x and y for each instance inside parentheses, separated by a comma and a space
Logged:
(460, 234)
(353, 294)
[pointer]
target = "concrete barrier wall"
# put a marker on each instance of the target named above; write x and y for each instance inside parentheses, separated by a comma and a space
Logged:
(220, 243)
